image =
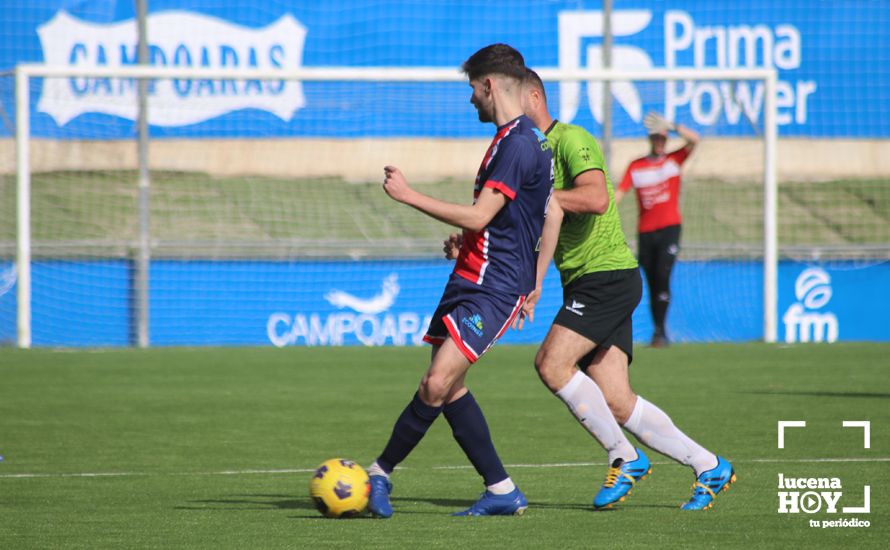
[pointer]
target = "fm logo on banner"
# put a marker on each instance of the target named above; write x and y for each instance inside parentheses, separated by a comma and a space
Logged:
(177, 39)
(803, 323)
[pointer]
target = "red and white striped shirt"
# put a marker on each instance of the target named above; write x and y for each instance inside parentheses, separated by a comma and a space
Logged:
(657, 183)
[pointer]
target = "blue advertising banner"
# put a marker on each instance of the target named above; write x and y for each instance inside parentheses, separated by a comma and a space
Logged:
(822, 64)
(379, 303)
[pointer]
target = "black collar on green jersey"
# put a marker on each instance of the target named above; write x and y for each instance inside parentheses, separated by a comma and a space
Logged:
(552, 125)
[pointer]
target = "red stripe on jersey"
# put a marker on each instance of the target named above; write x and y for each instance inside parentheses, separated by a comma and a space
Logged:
(502, 187)
(468, 352)
(493, 148)
(473, 258)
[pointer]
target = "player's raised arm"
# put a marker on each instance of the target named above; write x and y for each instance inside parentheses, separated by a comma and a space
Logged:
(657, 124)
(689, 135)
(472, 217)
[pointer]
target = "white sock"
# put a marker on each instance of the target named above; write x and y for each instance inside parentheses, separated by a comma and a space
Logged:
(376, 470)
(585, 399)
(502, 487)
(655, 429)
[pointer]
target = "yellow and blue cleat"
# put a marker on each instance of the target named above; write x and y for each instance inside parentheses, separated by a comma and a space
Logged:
(513, 503)
(709, 484)
(620, 479)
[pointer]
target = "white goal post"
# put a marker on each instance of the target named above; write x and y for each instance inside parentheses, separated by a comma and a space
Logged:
(26, 72)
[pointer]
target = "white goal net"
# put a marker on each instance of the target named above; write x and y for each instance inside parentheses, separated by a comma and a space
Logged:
(261, 203)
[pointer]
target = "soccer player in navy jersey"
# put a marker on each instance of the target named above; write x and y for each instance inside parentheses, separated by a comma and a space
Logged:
(495, 271)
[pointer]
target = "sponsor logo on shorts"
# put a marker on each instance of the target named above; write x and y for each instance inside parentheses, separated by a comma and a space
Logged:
(474, 322)
(576, 308)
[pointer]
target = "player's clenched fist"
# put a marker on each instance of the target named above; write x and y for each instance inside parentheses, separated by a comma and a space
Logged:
(395, 184)
(452, 246)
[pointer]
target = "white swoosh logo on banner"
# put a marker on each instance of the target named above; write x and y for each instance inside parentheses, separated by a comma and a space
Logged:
(376, 304)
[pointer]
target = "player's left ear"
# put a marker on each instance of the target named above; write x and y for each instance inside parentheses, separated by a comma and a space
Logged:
(488, 85)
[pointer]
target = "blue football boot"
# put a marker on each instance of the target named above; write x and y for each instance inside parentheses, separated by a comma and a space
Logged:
(378, 501)
(513, 503)
(709, 483)
(620, 479)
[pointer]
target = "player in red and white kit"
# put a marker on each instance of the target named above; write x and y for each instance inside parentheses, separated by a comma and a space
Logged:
(656, 179)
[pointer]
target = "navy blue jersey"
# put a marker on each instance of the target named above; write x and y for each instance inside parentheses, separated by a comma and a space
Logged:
(504, 254)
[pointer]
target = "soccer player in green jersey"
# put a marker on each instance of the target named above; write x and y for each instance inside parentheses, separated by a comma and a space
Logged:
(592, 333)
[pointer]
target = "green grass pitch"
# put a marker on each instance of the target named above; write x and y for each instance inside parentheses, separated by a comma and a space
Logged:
(213, 448)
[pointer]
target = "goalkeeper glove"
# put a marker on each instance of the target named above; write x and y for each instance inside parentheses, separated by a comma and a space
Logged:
(657, 124)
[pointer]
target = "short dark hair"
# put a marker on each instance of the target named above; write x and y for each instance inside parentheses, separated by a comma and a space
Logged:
(495, 59)
(533, 79)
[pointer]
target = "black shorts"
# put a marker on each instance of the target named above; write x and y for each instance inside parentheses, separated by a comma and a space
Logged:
(600, 306)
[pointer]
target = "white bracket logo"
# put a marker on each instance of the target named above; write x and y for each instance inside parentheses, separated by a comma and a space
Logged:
(809, 502)
(866, 430)
(788, 424)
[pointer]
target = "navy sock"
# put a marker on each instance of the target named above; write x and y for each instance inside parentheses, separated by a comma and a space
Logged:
(471, 432)
(409, 429)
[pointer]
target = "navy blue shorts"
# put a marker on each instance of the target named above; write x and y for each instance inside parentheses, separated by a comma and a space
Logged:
(473, 316)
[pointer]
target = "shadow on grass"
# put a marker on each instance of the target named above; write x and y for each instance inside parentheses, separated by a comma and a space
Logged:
(457, 504)
(403, 505)
(661, 506)
(852, 394)
(462, 504)
(251, 502)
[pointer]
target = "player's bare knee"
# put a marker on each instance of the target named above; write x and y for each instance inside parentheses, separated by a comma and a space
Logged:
(434, 390)
(620, 413)
(622, 406)
(553, 373)
(542, 366)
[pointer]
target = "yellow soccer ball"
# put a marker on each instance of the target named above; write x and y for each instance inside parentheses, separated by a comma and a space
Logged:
(340, 488)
